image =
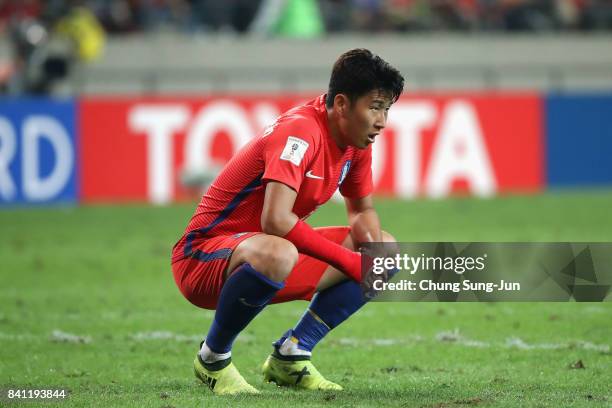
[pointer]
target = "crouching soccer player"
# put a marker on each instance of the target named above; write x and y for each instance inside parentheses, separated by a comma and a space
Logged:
(247, 244)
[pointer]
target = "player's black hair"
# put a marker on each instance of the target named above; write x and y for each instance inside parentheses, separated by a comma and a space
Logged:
(358, 72)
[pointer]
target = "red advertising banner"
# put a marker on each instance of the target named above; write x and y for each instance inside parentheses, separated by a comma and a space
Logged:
(479, 144)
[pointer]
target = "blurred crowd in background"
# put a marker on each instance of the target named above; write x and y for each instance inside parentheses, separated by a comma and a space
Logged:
(50, 38)
(312, 17)
(47, 40)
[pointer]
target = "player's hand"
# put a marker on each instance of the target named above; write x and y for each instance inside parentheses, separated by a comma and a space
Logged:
(368, 253)
(362, 228)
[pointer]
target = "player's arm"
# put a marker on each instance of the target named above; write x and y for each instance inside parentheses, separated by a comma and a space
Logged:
(278, 219)
(363, 219)
(357, 191)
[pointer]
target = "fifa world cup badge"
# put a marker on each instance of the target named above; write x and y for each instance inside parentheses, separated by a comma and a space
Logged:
(294, 150)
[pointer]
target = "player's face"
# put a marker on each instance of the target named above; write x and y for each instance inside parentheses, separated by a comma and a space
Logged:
(366, 118)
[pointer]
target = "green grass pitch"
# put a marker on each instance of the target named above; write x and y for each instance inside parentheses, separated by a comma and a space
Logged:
(89, 304)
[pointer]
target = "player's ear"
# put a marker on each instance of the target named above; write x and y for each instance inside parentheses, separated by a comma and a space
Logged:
(341, 103)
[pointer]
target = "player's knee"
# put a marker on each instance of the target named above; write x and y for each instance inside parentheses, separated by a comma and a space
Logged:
(275, 258)
(386, 237)
(390, 242)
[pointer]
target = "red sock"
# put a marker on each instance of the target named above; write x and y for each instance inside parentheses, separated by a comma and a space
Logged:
(309, 242)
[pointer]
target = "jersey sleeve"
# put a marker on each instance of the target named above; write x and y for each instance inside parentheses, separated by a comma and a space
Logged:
(290, 149)
(358, 182)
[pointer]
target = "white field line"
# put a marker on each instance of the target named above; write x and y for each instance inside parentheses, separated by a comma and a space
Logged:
(516, 342)
(587, 345)
(595, 309)
(59, 336)
(165, 335)
(451, 336)
(378, 342)
(455, 337)
(181, 338)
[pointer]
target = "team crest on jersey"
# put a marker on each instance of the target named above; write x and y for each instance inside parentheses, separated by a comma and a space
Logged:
(345, 170)
(294, 150)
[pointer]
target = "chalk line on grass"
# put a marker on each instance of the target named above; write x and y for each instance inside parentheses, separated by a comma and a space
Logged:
(379, 342)
(59, 336)
(454, 336)
(516, 342)
(181, 338)
(165, 335)
(587, 345)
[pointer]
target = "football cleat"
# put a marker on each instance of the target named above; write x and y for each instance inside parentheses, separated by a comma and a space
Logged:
(222, 377)
(295, 371)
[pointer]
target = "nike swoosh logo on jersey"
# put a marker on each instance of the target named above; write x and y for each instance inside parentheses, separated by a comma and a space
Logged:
(310, 175)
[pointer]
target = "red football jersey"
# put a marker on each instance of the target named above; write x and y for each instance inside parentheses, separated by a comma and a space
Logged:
(297, 150)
